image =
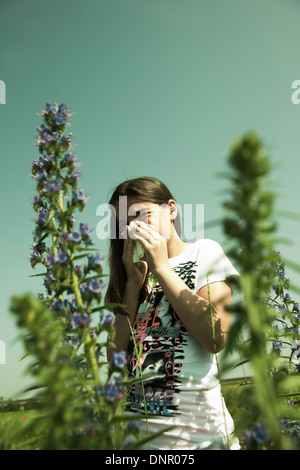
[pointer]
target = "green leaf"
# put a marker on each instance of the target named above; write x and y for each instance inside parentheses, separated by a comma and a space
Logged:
(150, 437)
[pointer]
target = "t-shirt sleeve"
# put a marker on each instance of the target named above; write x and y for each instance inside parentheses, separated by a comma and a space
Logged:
(213, 264)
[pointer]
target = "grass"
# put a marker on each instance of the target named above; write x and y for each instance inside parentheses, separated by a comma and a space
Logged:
(16, 434)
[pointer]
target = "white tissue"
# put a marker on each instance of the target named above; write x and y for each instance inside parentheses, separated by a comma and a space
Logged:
(138, 249)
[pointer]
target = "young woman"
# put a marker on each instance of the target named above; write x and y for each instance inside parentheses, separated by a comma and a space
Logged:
(180, 319)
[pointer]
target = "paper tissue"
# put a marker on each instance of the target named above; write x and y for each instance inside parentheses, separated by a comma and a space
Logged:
(138, 249)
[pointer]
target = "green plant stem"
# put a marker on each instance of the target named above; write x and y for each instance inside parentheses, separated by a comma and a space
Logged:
(75, 285)
(142, 382)
(264, 390)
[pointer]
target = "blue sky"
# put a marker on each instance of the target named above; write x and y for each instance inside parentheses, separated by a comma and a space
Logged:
(160, 88)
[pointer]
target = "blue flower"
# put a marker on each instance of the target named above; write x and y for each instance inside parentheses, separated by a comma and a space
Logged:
(75, 236)
(134, 425)
(62, 258)
(79, 195)
(78, 269)
(80, 320)
(58, 304)
(42, 216)
(69, 157)
(54, 186)
(37, 199)
(277, 344)
(60, 118)
(95, 285)
(113, 391)
(48, 108)
(106, 319)
(296, 307)
(258, 435)
(286, 297)
(85, 231)
(119, 359)
(95, 260)
(48, 279)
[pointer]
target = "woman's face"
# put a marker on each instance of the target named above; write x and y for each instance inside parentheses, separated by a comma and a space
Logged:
(160, 216)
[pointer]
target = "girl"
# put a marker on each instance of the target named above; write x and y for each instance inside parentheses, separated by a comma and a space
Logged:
(180, 319)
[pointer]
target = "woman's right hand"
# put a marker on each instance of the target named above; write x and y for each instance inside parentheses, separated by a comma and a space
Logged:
(136, 272)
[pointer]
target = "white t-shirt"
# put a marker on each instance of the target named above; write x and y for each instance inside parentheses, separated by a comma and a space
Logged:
(185, 390)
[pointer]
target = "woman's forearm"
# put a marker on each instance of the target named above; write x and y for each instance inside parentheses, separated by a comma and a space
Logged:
(193, 310)
(122, 330)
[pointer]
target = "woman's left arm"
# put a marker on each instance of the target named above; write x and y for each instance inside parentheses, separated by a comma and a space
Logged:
(197, 310)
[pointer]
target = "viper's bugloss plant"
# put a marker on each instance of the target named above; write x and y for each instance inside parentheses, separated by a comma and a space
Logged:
(84, 396)
(250, 228)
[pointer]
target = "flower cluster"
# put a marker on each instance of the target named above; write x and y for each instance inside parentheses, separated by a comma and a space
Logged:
(80, 320)
(58, 246)
(114, 390)
(258, 437)
(288, 332)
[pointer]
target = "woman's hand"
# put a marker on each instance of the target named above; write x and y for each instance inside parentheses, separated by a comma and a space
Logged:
(135, 272)
(154, 244)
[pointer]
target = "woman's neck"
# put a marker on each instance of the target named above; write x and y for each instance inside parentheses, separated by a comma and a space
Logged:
(175, 247)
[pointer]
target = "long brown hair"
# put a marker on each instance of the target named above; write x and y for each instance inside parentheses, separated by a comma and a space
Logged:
(145, 188)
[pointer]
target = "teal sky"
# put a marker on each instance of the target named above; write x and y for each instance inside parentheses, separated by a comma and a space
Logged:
(160, 88)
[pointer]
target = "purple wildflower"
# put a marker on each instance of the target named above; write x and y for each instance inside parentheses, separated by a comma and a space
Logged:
(106, 319)
(95, 285)
(54, 136)
(75, 236)
(80, 320)
(42, 216)
(75, 176)
(60, 118)
(259, 433)
(62, 258)
(54, 186)
(48, 107)
(257, 436)
(78, 269)
(69, 157)
(57, 304)
(134, 425)
(37, 199)
(286, 297)
(119, 359)
(79, 195)
(73, 303)
(277, 345)
(85, 231)
(48, 279)
(95, 260)
(51, 259)
(47, 186)
(113, 391)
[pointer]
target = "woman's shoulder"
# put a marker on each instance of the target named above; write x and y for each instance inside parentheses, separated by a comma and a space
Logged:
(207, 244)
